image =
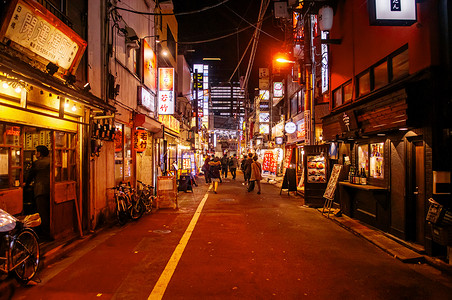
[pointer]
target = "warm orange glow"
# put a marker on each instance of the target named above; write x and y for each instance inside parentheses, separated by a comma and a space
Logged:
(283, 60)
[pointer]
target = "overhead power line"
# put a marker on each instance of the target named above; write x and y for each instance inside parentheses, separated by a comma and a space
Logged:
(223, 36)
(171, 14)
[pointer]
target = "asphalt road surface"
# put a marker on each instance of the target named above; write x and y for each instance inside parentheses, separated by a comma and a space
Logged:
(234, 245)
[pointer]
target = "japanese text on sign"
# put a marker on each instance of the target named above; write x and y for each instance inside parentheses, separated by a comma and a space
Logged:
(166, 91)
(36, 33)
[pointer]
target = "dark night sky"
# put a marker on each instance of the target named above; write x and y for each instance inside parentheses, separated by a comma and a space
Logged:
(220, 21)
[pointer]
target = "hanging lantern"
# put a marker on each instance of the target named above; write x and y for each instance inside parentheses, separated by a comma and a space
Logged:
(326, 18)
(140, 140)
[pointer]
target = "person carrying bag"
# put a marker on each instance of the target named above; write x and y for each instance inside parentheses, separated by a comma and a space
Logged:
(256, 175)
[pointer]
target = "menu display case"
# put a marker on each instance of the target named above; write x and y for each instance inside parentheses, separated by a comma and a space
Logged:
(316, 174)
(316, 169)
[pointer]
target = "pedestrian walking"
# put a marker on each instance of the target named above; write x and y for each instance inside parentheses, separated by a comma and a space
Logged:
(39, 175)
(256, 175)
(247, 168)
(224, 166)
(215, 166)
(206, 170)
(233, 166)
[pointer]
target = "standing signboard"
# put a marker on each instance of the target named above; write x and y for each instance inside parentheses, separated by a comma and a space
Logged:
(331, 187)
(166, 192)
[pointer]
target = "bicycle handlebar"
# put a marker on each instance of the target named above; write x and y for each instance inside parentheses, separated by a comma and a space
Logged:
(144, 184)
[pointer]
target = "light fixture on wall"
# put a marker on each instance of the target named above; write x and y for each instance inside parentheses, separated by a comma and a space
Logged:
(87, 87)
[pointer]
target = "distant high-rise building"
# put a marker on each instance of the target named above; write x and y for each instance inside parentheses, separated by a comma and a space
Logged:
(227, 105)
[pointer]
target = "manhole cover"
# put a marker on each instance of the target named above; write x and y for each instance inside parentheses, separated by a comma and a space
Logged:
(227, 200)
(161, 231)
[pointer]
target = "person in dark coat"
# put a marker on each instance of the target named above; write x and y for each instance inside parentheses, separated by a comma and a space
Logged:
(224, 166)
(206, 170)
(215, 166)
(247, 168)
(233, 166)
(40, 175)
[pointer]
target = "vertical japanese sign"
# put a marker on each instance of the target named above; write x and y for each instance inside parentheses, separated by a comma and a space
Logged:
(32, 28)
(149, 67)
(140, 140)
(166, 91)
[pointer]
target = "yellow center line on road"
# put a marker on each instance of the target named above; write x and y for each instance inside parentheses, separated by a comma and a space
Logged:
(165, 277)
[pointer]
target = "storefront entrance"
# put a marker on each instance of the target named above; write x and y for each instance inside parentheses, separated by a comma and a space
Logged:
(416, 192)
(17, 153)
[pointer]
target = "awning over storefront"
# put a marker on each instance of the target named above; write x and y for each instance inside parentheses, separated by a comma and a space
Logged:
(147, 122)
(23, 71)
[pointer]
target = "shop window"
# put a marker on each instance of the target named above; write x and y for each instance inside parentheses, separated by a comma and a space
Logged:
(337, 95)
(4, 168)
(363, 158)
(364, 84)
(381, 75)
(10, 156)
(128, 153)
(293, 106)
(123, 153)
(65, 156)
(348, 92)
(400, 66)
(376, 164)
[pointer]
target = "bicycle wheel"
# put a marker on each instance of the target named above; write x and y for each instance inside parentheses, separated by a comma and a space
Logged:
(137, 209)
(149, 203)
(25, 255)
(121, 211)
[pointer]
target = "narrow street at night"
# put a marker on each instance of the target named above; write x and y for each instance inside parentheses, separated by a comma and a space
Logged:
(242, 246)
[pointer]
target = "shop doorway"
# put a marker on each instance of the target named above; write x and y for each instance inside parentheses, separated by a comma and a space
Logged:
(416, 192)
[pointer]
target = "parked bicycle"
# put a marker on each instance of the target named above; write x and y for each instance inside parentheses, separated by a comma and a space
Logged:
(127, 204)
(146, 195)
(19, 247)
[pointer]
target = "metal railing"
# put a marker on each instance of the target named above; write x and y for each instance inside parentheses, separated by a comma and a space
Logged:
(55, 11)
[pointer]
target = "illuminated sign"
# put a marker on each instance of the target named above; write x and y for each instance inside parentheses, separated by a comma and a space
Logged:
(145, 99)
(324, 66)
(166, 91)
(290, 127)
(392, 12)
(170, 122)
(301, 130)
(264, 128)
(13, 131)
(264, 117)
(279, 140)
(140, 140)
(149, 67)
(264, 94)
(34, 29)
(278, 89)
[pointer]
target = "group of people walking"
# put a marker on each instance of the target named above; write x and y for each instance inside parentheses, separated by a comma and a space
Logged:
(252, 172)
(214, 169)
